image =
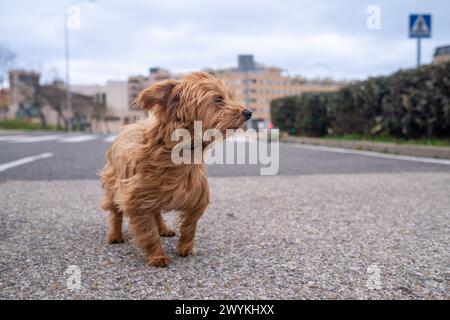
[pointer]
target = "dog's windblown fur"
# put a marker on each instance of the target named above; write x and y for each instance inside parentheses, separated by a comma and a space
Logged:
(140, 180)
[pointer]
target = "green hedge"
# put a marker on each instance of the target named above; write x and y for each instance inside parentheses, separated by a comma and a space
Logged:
(309, 119)
(409, 104)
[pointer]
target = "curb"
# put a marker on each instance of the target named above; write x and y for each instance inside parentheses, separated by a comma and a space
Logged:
(393, 148)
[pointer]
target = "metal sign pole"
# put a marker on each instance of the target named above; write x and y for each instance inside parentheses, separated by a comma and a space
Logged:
(418, 51)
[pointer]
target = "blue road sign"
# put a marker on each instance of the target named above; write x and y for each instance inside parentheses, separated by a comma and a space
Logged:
(420, 25)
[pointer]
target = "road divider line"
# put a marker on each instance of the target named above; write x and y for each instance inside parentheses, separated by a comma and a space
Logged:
(19, 162)
(110, 139)
(12, 137)
(373, 154)
(35, 139)
(79, 138)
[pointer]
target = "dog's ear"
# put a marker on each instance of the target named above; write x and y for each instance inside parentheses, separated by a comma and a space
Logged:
(157, 94)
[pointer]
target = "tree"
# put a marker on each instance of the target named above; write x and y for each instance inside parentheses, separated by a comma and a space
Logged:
(7, 58)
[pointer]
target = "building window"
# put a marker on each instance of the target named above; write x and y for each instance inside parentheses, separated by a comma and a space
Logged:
(99, 98)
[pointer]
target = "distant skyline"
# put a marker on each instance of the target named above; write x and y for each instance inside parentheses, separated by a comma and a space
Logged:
(307, 38)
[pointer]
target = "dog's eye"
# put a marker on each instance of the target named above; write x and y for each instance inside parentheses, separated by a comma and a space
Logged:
(219, 100)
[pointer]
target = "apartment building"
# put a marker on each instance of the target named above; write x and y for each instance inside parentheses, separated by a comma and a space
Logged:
(138, 83)
(114, 94)
(119, 96)
(258, 85)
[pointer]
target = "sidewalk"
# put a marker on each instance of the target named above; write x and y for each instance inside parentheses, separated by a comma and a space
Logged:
(394, 148)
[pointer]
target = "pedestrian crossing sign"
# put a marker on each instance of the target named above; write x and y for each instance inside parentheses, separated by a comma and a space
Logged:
(420, 25)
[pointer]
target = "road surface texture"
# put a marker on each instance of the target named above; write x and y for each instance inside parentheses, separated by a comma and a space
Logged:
(330, 225)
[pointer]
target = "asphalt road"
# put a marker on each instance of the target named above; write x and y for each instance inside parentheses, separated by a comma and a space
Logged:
(75, 159)
(329, 225)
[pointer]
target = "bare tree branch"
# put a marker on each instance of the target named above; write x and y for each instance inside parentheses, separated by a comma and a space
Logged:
(7, 58)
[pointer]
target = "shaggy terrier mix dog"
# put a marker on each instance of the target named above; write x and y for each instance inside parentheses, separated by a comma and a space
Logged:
(141, 181)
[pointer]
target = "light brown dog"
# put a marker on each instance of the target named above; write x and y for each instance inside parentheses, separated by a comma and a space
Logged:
(141, 181)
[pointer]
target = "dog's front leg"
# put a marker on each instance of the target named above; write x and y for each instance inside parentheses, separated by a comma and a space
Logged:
(145, 229)
(115, 226)
(188, 227)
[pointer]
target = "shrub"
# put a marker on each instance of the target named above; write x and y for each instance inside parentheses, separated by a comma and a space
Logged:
(311, 117)
(283, 112)
(409, 104)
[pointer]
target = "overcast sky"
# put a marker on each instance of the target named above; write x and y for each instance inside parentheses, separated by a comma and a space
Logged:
(309, 38)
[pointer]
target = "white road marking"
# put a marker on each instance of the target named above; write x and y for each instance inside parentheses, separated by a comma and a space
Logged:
(110, 139)
(374, 154)
(12, 137)
(34, 139)
(79, 138)
(22, 161)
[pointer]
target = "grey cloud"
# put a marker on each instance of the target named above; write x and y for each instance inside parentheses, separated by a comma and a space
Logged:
(313, 38)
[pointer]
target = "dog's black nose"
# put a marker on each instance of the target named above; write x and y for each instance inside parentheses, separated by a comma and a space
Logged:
(247, 114)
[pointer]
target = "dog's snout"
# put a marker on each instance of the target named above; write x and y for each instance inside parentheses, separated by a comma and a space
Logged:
(247, 114)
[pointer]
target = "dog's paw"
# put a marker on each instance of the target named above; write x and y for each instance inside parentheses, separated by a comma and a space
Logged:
(184, 252)
(160, 261)
(167, 233)
(114, 239)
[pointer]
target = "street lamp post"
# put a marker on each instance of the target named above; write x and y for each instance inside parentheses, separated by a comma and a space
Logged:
(67, 57)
